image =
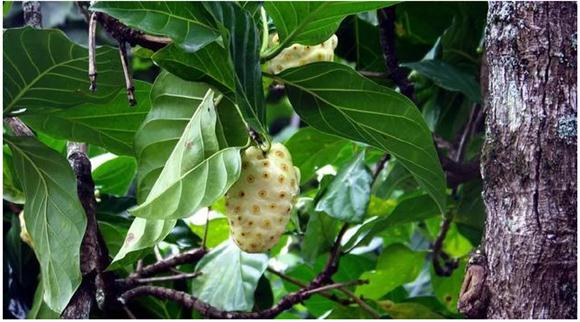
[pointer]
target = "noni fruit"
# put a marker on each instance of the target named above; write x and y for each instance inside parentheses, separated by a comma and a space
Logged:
(260, 202)
(299, 55)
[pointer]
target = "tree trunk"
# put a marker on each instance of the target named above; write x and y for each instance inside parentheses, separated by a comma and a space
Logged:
(529, 160)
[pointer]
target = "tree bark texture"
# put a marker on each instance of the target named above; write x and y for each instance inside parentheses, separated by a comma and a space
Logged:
(529, 160)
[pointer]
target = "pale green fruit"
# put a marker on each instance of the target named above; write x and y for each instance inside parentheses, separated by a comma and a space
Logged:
(260, 202)
(300, 55)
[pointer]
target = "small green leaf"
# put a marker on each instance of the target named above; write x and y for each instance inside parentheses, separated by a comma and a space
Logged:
(312, 22)
(408, 210)
(348, 195)
(337, 100)
(210, 64)
(448, 77)
(52, 207)
(319, 236)
(185, 22)
(196, 173)
(44, 69)
(396, 266)
(229, 277)
(115, 176)
(312, 149)
(111, 126)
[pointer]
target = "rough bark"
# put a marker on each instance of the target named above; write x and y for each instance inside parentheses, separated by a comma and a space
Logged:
(529, 160)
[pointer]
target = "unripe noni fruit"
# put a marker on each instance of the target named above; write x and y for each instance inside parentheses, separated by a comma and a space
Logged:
(260, 202)
(299, 55)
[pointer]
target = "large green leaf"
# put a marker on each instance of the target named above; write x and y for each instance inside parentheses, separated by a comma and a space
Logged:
(312, 149)
(396, 266)
(408, 310)
(187, 23)
(111, 126)
(347, 197)
(39, 309)
(448, 77)
(312, 22)
(45, 69)
(335, 99)
(196, 173)
(229, 277)
(173, 103)
(446, 288)
(52, 208)
(243, 42)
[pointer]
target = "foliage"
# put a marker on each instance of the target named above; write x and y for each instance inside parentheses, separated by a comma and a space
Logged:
(162, 167)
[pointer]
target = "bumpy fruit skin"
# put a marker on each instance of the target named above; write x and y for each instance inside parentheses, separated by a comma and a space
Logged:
(260, 202)
(299, 55)
(24, 235)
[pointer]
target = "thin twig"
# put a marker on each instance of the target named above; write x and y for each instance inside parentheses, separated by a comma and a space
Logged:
(129, 313)
(127, 72)
(301, 284)
(438, 253)
(363, 305)
(183, 276)
(191, 256)
(92, 45)
(334, 286)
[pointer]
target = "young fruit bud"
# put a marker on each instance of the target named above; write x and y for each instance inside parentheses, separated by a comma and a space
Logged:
(24, 235)
(260, 202)
(299, 55)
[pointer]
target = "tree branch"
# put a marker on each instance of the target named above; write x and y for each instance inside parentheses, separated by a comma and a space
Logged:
(386, 17)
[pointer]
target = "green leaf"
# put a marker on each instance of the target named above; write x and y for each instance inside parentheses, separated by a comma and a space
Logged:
(196, 173)
(449, 77)
(45, 69)
(174, 102)
(396, 266)
(185, 22)
(115, 175)
(111, 126)
(347, 197)
(309, 22)
(337, 100)
(229, 277)
(113, 234)
(52, 207)
(218, 229)
(241, 37)
(312, 149)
